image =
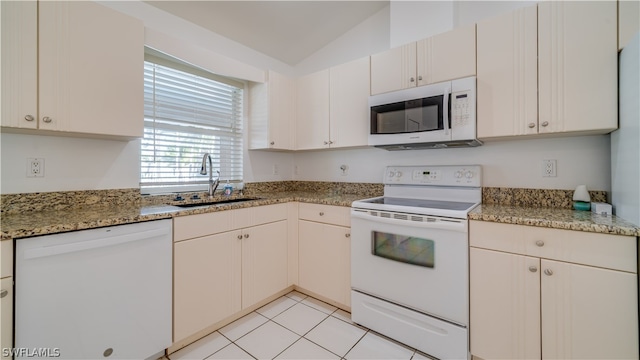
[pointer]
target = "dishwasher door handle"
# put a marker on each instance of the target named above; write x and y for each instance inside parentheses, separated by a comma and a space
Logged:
(52, 250)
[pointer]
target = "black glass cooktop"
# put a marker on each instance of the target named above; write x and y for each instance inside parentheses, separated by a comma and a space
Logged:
(423, 203)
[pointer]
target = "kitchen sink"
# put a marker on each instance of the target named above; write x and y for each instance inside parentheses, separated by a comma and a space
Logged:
(217, 202)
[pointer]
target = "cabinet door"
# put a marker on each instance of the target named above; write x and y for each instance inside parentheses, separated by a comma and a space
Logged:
(504, 305)
(206, 285)
(264, 261)
(447, 56)
(588, 312)
(393, 69)
(349, 104)
(508, 74)
(6, 314)
(90, 69)
(578, 57)
(325, 258)
(281, 111)
(19, 64)
(312, 111)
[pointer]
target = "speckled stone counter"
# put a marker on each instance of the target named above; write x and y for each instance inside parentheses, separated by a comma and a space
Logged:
(51, 221)
(555, 218)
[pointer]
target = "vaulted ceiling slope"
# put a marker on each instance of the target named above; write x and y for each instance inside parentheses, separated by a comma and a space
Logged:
(289, 31)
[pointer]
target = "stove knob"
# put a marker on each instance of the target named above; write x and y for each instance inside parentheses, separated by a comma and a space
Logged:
(468, 174)
(399, 174)
(458, 174)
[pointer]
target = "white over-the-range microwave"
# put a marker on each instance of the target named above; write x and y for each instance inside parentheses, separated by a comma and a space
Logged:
(433, 116)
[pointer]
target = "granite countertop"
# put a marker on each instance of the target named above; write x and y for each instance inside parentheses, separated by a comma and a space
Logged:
(43, 222)
(566, 219)
(46, 222)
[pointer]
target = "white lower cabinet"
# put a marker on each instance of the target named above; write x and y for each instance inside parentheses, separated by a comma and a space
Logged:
(552, 294)
(207, 275)
(324, 251)
(264, 262)
(6, 296)
(225, 262)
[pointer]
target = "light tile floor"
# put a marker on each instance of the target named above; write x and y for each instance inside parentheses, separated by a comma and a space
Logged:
(295, 326)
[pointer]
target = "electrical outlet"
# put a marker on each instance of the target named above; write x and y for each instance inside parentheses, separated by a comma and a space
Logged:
(295, 169)
(344, 170)
(274, 169)
(35, 167)
(549, 168)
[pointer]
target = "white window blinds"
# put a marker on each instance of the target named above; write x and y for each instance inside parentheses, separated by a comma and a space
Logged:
(186, 116)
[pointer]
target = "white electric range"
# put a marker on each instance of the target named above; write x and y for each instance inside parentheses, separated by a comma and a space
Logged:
(409, 257)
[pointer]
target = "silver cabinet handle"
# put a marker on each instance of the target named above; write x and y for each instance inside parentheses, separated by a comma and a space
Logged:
(272, 143)
(347, 235)
(246, 236)
(533, 268)
(548, 272)
(47, 119)
(3, 293)
(29, 118)
(532, 125)
(321, 213)
(330, 142)
(240, 237)
(326, 143)
(420, 78)
(540, 243)
(545, 123)
(412, 79)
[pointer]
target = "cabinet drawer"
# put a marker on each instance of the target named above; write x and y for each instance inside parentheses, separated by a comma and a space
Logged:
(615, 252)
(247, 217)
(6, 258)
(192, 226)
(328, 214)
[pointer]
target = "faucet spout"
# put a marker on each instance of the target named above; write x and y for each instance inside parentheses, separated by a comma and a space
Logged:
(213, 185)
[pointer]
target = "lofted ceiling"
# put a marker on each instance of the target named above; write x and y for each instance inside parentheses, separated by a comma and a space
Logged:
(289, 31)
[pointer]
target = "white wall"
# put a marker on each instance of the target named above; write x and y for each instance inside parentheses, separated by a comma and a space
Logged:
(513, 163)
(86, 164)
(70, 163)
(415, 20)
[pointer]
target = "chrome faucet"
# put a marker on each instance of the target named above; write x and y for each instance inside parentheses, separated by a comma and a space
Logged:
(213, 185)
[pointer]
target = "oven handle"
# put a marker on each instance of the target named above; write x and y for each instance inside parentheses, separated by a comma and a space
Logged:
(459, 225)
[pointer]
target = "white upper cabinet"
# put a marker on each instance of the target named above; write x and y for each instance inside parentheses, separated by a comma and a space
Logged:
(507, 77)
(554, 73)
(88, 65)
(447, 56)
(442, 57)
(272, 113)
(577, 66)
(332, 107)
(349, 104)
(312, 111)
(393, 69)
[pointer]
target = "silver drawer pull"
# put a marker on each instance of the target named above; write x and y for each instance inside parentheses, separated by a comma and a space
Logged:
(540, 243)
(47, 119)
(548, 272)
(3, 293)
(321, 213)
(545, 123)
(246, 236)
(347, 235)
(239, 237)
(533, 268)
(29, 118)
(532, 125)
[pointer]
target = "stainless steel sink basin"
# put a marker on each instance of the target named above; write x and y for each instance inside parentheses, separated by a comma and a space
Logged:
(217, 202)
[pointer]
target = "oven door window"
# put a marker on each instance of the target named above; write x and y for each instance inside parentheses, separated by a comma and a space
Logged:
(407, 249)
(417, 115)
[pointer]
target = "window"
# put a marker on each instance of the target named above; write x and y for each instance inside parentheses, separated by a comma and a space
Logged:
(187, 113)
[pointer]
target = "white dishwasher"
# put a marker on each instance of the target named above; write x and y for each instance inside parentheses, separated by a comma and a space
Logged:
(95, 294)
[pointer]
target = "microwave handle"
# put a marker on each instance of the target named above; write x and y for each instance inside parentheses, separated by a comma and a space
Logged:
(446, 109)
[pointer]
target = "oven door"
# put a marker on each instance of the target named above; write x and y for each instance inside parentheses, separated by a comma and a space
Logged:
(419, 262)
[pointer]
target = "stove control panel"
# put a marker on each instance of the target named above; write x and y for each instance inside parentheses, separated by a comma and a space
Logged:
(454, 175)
